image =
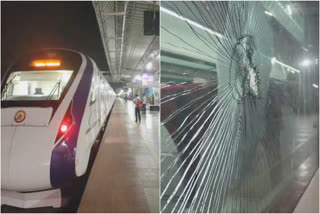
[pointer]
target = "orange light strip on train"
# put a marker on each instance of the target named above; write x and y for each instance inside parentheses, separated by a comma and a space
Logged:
(46, 63)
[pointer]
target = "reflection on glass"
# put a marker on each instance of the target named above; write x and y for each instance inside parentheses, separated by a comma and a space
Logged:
(239, 110)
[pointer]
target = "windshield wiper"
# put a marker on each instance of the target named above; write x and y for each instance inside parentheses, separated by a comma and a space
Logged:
(5, 88)
(56, 86)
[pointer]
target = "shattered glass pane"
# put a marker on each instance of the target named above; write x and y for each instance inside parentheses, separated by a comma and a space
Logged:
(239, 110)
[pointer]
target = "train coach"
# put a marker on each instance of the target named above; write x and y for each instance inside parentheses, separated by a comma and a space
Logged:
(54, 103)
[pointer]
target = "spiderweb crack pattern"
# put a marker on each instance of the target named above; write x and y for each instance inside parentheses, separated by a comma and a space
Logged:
(219, 127)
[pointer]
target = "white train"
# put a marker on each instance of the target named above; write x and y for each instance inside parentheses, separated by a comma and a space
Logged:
(53, 104)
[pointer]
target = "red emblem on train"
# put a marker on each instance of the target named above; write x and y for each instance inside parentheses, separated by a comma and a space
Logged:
(20, 116)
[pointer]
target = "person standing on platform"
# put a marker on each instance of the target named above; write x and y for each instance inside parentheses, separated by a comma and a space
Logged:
(138, 104)
(144, 103)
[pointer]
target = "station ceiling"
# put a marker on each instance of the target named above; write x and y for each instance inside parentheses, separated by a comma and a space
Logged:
(127, 49)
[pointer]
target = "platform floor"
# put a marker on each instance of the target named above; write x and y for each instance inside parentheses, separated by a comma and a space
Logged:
(309, 202)
(125, 174)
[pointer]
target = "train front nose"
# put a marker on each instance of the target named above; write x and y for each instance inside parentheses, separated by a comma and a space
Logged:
(25, 157)
(6, 143)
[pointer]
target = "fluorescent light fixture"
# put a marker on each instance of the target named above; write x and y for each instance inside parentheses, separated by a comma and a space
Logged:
(314, 85)
(288, 69)
(149, 66)
(306, 62)
(289, 11)
(268, 13)
(190, 22)
(138, 77)
(274, 60)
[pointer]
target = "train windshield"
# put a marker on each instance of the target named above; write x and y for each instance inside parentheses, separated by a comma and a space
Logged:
(36, 85)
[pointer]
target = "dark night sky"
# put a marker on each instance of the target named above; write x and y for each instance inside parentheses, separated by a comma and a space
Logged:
(28, 26)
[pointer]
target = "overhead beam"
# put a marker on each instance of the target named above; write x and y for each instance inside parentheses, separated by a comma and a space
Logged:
(123, 29)
(121, 13)
(114, 38)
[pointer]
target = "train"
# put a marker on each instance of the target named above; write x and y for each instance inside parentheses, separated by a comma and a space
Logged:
(54, 103)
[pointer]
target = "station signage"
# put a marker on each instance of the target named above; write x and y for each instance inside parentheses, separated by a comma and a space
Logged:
(146, 79)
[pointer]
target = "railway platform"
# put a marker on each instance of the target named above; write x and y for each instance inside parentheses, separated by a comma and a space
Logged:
(125, 173)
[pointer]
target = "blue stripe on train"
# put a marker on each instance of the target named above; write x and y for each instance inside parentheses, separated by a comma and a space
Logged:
(62, 167)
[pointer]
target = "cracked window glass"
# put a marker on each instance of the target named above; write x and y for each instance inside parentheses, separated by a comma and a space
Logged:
(239, 105)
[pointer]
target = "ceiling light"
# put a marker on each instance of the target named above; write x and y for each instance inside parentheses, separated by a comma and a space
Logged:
(138, 77)
(268, 13)
(289, 11)
(190, 22)
(274, 60)
(149, 66)
(306, 62)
